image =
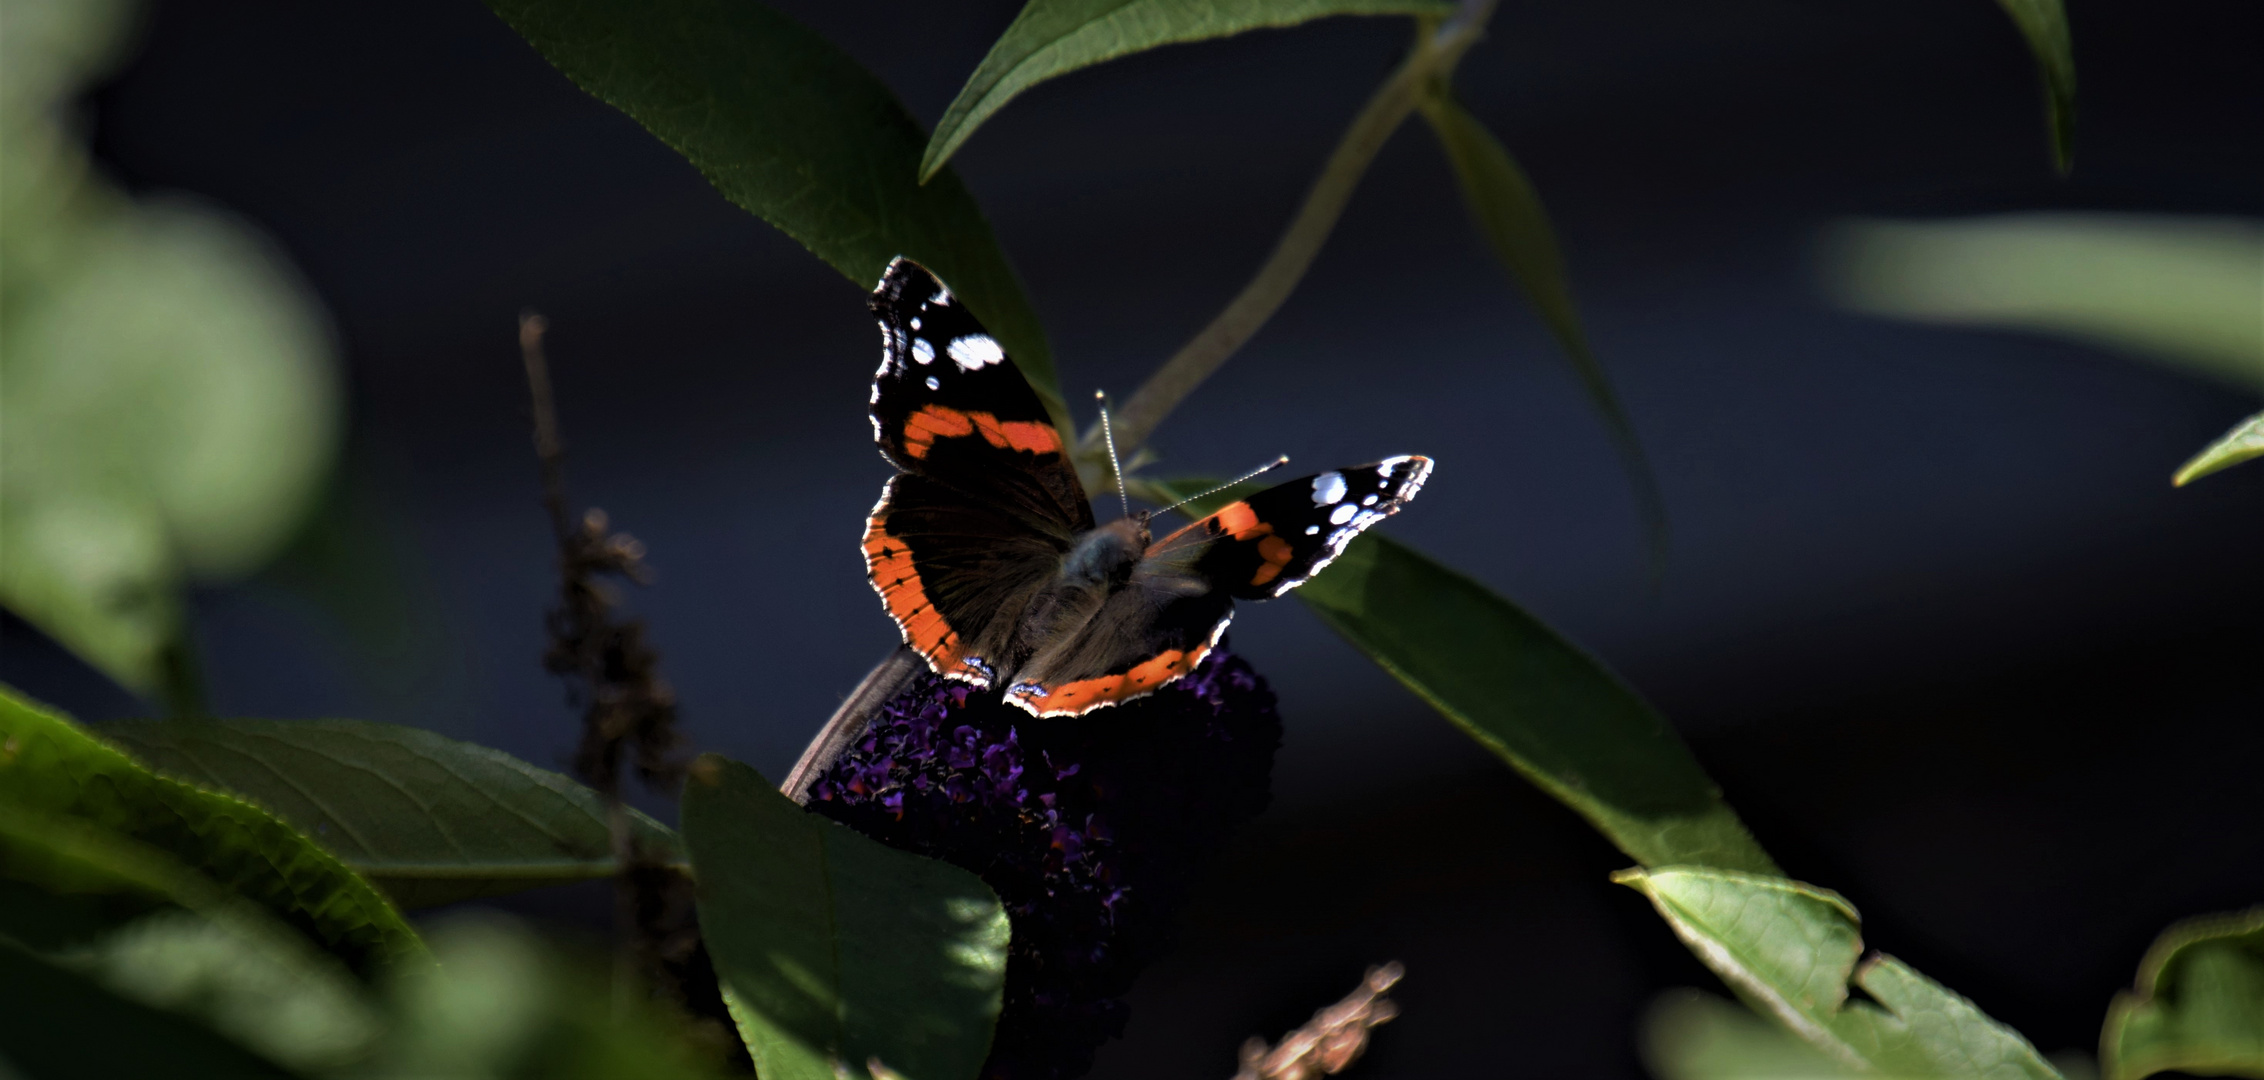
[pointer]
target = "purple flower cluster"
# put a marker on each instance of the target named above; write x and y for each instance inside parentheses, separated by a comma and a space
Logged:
(1092, 830)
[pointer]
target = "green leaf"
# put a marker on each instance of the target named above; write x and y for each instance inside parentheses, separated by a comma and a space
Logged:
(172, 409)
(1691, 1035)
(1054, 37)
(428, 819)
(1789, 949)
(835, 949)
(2180, 291)
(2044, 24)
(151, 930)
(1508, 213)
(49, 765)
(2198, 1006)
(59, 1025)
(171, 396)
(2243, 443)
(1551, 711)
(503, 1003)
(789, 127)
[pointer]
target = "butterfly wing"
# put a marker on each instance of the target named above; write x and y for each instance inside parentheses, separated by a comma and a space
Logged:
(1276, 540)
(987, 502)
(1141, 637)
(1167, 618)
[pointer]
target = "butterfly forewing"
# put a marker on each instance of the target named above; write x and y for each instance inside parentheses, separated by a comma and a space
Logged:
(1276, 540)
(987, 502)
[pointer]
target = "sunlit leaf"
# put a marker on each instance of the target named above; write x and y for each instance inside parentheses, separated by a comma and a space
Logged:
(2198, 1006)
(1790, 949)
(51, 766)
(56, 1024)
(2244, 442)
(789, 127)
(1054, 37)
(1509, 215)
(1691, 1035)
(2044, 24)
(1551, 711)
(836, 949)
(2181, 291)
(150, 929)
(428, 819)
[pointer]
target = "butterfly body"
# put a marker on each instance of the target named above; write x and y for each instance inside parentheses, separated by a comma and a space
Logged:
(985, 551)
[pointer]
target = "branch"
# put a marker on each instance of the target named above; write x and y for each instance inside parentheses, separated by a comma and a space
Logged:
(1329, 1043)
(1435, 53)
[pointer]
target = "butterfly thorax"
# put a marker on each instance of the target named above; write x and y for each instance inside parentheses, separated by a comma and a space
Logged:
(1106, 555)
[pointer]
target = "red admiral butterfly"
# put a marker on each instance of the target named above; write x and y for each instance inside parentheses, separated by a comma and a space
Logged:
(984, 547)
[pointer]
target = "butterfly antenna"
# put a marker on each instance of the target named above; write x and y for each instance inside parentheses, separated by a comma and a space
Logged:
(1251, 475)
(1116, 470)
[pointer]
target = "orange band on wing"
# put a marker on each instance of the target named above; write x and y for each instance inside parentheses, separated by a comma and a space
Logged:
(933, 422)
(1240, 522)
(1277, 552)
(888, 565)
(1085, 695)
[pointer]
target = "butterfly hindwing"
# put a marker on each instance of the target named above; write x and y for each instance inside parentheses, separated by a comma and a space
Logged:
(1148, 633)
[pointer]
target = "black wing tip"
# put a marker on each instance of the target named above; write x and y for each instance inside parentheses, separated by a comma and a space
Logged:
(903, 275)
(1418, 470)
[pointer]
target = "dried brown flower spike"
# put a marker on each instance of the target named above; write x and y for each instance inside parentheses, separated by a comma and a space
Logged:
(1329, 1043)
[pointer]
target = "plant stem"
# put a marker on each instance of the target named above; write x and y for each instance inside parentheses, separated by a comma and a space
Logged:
(1437, 49)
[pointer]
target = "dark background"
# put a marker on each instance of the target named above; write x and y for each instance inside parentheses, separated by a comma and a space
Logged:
(1934, 617)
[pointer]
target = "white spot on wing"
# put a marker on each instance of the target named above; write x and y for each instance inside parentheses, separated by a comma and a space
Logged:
(1342, 513)
(922, 351)
(915, 322)
(934, 385)
(1328, 489)
(1312, 530)
(1368, 501)
(975, 351)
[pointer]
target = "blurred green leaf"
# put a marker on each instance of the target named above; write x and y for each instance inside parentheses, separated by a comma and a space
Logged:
(265, 988)
(152, 930)
(2244, 442)
(834, 948)
(503, 1004)
(2044, 24)
(1551, 711)
(1055, 37)
(56, 1024)
(789, 127)
(428, 819)
(171, 411)
(172, 401)
(1789, 949)
(49, 765)
(2199, 1003)
(2179, 290)
(1509, 215)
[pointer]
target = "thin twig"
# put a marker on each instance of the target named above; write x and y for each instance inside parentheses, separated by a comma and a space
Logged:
(1436, 51)
(1332, 1040)
(615, 676)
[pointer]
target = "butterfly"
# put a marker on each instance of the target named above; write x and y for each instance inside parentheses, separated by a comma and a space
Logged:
(984, 547)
